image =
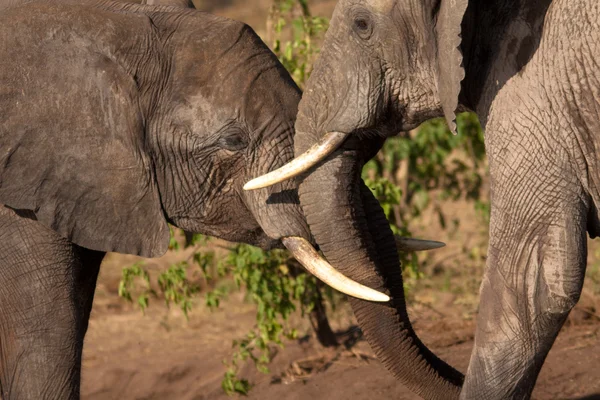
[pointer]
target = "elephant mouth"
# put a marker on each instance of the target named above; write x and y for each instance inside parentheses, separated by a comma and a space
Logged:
(266, 243)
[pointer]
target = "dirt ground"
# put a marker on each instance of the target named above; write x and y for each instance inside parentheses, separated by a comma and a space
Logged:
(160, 355)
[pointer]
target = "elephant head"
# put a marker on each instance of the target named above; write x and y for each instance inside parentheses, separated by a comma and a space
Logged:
(385, 66)
(109, 135)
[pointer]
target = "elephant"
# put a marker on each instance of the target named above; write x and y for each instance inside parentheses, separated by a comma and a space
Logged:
(117, 119)
(529, 69)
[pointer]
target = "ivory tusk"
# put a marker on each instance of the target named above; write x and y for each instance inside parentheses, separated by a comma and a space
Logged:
(409, 245)
(305, 253)
(327, 145)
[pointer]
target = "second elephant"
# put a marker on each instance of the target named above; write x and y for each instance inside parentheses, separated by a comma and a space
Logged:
(531, 73)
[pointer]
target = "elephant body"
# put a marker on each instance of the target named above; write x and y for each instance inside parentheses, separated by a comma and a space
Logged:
(529, 68)
(116, 119)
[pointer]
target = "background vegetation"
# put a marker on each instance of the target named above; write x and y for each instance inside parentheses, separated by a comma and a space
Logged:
(415, 176)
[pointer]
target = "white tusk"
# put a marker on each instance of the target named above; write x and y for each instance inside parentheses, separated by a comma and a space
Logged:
(410, 245)
(324, 147)
(305, 253)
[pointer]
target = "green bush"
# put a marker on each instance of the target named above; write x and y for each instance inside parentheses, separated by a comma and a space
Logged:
(421, 170)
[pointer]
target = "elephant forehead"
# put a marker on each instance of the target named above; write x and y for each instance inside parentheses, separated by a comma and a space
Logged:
(381, 6)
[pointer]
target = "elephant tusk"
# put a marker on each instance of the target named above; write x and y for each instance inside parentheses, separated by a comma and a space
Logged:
(327, 145)
(305, 253)
(409, 245)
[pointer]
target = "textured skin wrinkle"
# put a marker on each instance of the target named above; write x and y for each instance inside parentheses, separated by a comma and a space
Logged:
(532, 76)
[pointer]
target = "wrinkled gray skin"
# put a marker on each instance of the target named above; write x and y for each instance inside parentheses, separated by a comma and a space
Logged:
(174, 3)
(532, 76)
(114, 120)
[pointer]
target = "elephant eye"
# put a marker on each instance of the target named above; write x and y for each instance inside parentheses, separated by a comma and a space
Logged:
(233, 140)
(363, 25)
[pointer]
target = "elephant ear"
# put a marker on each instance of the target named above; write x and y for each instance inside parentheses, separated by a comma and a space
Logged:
(450, 69)
(72, 148)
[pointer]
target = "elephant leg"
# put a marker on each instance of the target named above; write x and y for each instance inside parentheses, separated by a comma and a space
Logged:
(520, 316)
(535, 267)
(46, 293)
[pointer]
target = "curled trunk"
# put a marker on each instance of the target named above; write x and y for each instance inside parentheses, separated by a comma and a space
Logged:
(351, 229)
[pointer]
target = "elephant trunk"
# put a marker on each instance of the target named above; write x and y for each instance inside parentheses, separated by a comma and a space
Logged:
(347, 221)
(350, 227)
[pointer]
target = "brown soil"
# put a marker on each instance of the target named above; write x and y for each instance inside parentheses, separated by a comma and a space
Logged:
(162, 356)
